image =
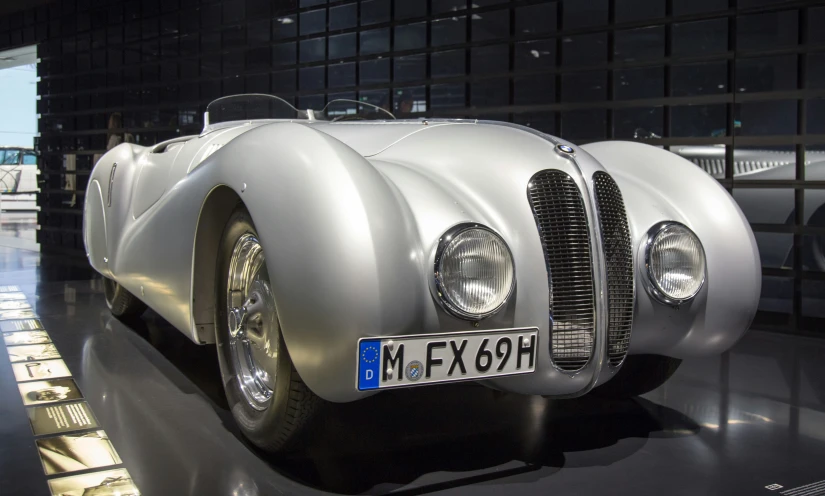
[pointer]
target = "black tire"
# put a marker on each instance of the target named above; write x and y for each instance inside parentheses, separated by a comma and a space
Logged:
(292, 405)
(639, 374)
(120, 301)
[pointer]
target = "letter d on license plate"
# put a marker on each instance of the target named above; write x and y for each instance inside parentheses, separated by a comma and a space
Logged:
(432, 358)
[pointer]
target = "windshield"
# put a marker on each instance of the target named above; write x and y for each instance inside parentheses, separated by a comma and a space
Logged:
(353, 110)
(249, 107)
(260, 106)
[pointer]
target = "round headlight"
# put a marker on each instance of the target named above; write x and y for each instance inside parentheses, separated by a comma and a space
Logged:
(675, 262)
(474, 272)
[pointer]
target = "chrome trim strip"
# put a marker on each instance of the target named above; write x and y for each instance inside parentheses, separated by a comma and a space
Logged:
(111, 183)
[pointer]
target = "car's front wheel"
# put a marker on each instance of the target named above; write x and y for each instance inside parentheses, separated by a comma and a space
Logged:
(639, 374)
(120, 301)
(268, 399)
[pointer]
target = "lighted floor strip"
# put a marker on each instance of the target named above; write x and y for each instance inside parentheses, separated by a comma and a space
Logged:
(69, 439)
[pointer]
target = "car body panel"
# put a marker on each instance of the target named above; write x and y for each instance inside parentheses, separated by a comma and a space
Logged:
(349, 214)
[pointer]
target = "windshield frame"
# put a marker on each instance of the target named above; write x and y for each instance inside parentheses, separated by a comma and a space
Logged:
(301, 115)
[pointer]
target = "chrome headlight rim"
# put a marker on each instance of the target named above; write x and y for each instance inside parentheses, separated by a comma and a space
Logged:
(649, 281)
(437, 284)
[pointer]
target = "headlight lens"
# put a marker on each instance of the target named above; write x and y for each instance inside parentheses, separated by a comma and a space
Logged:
(675, 262)
(474, 271)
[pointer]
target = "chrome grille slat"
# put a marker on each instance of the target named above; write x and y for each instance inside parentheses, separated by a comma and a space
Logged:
(562, 222)
(618, 263)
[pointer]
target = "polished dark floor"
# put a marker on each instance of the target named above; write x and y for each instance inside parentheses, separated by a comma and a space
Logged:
(729, 424)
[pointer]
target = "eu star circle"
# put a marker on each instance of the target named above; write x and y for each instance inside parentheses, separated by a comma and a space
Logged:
(370, 354)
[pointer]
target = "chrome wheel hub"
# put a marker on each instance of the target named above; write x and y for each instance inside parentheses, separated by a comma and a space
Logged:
(254, 333)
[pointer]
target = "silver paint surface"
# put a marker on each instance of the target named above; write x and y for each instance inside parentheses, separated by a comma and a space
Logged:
(349, 215)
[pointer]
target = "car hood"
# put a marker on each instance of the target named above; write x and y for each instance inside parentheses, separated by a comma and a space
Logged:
(370, 138)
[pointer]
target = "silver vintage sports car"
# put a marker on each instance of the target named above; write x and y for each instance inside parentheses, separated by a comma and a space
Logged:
(332, 254)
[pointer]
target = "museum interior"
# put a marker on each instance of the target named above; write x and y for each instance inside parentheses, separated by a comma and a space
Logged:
(134, 366)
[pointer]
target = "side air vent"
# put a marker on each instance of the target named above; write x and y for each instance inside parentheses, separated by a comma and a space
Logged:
(619, 264)
(562, 223)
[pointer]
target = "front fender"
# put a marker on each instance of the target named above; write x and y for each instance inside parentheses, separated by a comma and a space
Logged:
(657, 185)
(340, 247)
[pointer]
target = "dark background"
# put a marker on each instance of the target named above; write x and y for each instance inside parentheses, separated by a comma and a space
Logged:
(742, 74)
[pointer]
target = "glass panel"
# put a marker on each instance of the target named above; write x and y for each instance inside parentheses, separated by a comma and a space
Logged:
(585, 49)
(441, 6)
(584, 86)
(380, 98)
(816, 70)
(638, 123)
(709, 78)
(411, 36)
(813, 248)
(405, 9)
(449, 31)
(490, 59)
(683, 7)
(314, 21)
(449, 63)
(766, 73)
(645, 82)
(777, 295)
(775, 249)
(536, 19)
(410, 68)
(375, 41)
(535, 55)
(409, 101)
(640, 44)
(311, 78)
(767, 118)
(636, 10)
(541, 121)
(767, 31)
(584, 14)
(342, 46)
(700, 38)
(283, 54)
(283, 81)
(444, 96)
(767, 206)
(816, 19)
(584, 125)
(343, 17)
(341, 75)
(29, 159)
(284, 27)
(816, 116)
(698, 120)
(490, 93)
(375, 11)
(813, 303)
(765, 162)
(537, 89)
(313, 50)
(491, 25)
(375, 71)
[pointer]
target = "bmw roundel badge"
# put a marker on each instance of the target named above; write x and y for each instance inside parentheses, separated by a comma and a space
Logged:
(414, 370)
(565, 149)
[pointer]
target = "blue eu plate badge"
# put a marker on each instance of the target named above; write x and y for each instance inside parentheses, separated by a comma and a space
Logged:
(369, 354)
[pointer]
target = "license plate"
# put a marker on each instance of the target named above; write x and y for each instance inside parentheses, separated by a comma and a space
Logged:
(426, 359)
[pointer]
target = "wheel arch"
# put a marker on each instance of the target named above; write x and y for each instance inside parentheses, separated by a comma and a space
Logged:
(214, 214)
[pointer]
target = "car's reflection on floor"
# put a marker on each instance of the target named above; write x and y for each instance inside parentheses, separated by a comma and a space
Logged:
(397, 438)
